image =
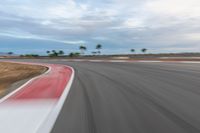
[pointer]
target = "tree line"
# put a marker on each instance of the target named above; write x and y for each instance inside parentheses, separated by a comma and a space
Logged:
(82, 48)
(144, 50)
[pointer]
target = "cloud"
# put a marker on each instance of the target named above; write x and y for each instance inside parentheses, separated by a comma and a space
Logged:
(34, 37)
(160, 24)
(176, 8)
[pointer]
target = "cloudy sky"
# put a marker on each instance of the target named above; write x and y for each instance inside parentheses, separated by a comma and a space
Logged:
(34, 26)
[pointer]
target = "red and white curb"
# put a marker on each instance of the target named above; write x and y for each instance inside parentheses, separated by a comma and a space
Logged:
(35, 106)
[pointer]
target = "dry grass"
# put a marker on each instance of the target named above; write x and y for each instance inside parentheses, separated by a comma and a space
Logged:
(13, 72)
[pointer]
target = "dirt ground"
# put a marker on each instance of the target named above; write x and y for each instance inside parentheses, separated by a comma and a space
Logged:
(12, 72)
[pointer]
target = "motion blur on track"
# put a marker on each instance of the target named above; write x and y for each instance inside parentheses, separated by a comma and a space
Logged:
(131, 97)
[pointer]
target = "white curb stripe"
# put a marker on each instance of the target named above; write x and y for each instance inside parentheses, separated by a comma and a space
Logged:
(32, 116)
(48, 123)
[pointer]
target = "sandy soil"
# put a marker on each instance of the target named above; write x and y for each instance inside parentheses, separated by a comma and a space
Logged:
(11, 73)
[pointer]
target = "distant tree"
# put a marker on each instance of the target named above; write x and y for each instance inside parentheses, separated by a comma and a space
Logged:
(61, 52)
(74, 54)
(10, 53)
(132, 50)
(35, 55)
(82, 49)
(54, 53)
(71, 54)
(31, 55)
(48, 52)
(144, 50)
(99, 47)
(77, 54)
(94, 52)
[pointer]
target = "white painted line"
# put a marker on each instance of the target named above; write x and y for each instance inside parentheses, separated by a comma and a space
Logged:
(34, 116)
(117, 61)
(95, 60)
(191, 62)
(146, 61)
(49, 122)
(77, 60)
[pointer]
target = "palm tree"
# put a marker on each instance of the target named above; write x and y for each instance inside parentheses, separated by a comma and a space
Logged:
(94, 52)
(74, 54)
(10, 53)
(48, 52)
(82, 49)
(132, 50)
(98, 47)
(54, 53)
(61, 52)
(144, 50)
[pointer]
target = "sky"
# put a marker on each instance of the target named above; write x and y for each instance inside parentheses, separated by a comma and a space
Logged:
(35, 26)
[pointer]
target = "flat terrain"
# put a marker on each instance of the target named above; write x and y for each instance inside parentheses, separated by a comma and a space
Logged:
(131, 98)
(11, 73)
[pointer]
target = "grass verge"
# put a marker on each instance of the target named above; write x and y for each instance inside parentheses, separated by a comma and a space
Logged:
(11, 73)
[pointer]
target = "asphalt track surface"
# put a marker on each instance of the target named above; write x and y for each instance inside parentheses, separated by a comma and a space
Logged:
(131, 98)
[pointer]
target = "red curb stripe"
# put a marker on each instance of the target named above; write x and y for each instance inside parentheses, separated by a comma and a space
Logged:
(48, 86)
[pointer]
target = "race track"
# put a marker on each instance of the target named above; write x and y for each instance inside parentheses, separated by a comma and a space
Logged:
(131, 98)
(159, 97)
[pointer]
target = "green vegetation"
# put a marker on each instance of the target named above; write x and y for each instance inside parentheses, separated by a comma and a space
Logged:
(98, 47)
(83, 49)
(144, 50)
(132, 50)
(55, 53)
(76, 54)
(10, 53)
(94, 53)
(30, 55)
(61, 52)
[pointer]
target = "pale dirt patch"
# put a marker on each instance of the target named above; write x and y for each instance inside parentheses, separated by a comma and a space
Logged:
(11, 73)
